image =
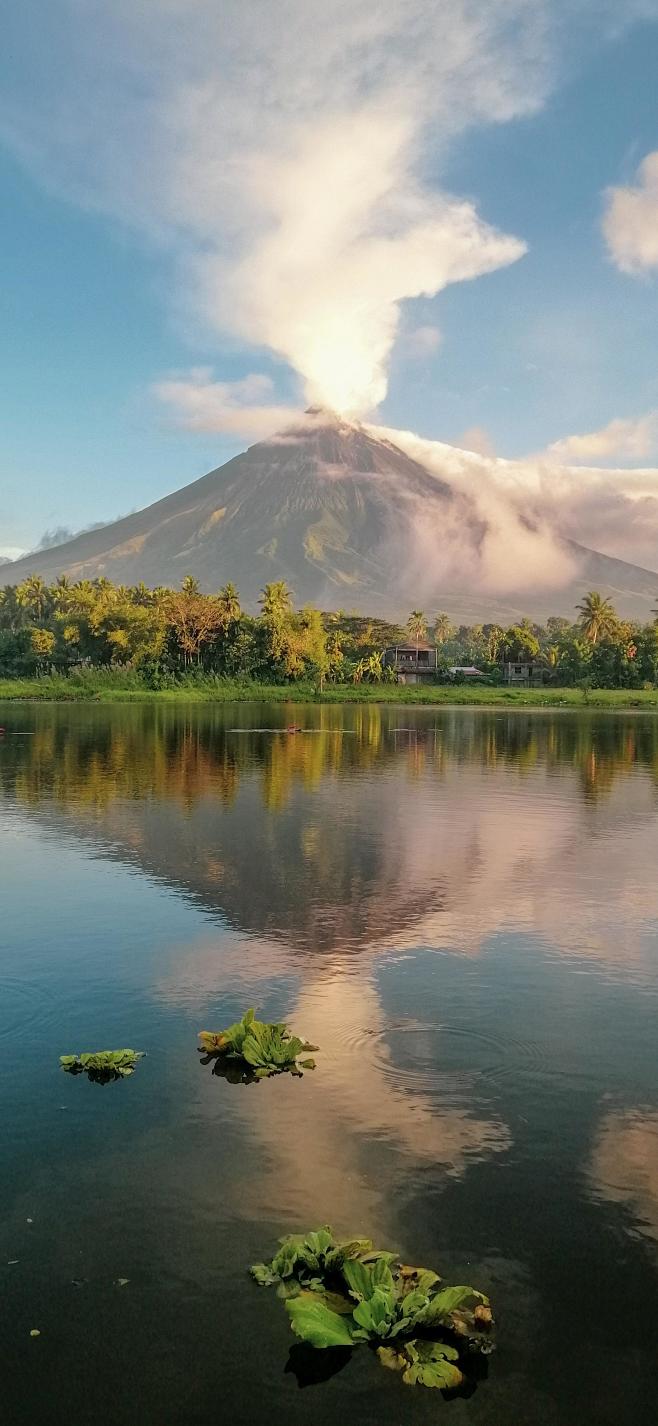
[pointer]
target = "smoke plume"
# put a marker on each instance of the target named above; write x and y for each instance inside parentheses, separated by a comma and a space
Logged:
(289, 155)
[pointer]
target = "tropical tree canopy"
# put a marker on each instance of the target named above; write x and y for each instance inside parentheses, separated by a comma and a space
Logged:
(597, 617)
(417, 625)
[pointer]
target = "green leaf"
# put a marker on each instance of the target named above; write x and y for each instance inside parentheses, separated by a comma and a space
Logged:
(432, 1364)
(376, 1316)
(382, 1277)
(359, 1279)
(319, 1241)
(445, 1302)
(317, 1324)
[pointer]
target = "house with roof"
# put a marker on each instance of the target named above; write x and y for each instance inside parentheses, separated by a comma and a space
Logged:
(413, 662)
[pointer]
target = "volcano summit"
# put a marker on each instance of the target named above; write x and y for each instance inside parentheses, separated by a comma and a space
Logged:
(350, 520)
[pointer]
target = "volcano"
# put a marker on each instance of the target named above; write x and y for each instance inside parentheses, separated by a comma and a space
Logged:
(348, 519)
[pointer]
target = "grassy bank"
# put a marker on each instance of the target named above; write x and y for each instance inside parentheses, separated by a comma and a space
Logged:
(121, 686)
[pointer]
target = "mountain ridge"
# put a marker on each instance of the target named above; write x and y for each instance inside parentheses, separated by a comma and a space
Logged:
(343, 515)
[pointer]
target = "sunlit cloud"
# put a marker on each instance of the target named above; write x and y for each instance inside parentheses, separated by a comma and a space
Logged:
(633, 439)
(630, 222)
(246, 408)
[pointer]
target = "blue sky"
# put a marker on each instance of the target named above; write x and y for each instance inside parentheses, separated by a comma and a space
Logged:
(106, 294)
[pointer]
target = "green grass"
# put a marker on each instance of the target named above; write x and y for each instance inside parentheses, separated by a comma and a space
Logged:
(126, 686)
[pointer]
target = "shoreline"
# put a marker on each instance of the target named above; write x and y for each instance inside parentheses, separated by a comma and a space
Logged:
(107, 690)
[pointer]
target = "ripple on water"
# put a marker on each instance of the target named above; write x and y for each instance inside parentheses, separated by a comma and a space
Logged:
(438, 1051)
(23, 1007)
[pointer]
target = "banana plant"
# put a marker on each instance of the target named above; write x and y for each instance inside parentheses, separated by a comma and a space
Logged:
(102, 1066)
(264, 1048)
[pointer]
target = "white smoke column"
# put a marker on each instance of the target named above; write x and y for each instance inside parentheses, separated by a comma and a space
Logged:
(350, 237)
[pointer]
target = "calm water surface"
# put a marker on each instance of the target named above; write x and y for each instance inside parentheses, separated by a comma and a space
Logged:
(461, 908)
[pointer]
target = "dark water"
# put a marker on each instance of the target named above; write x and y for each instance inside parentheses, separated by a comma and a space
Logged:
(461, 908)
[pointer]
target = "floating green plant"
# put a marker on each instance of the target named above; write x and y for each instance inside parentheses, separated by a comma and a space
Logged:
(255, 1049)
(341, 1294)
(102, 1066)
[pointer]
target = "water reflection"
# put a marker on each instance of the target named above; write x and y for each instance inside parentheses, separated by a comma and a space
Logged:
(461, 909)
(367, 830)
(624, 1166)
(359, 1096)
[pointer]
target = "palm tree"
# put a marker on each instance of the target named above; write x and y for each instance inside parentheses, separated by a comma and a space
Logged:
(275, 601)
(597, 617)
(142, 595)
(417, 626)
(33, 595)
(443, 629)
(229, 600)
(62, 592)
(190, 585)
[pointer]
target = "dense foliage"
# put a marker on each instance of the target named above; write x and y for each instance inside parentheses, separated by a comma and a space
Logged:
(255, 1049)
(163, 634)
(339, 1294)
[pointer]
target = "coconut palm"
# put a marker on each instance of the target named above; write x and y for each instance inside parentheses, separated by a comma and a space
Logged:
(33, 595)
(597, 617)
(417, 626)
(443, 628)
(275, 601)
(229, 601)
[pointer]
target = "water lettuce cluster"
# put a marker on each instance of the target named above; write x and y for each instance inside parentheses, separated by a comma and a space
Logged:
(102, 1066)
(253, 1049)
(341, 1294)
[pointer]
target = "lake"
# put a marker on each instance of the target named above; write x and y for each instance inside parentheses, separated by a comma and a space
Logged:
(461, 908)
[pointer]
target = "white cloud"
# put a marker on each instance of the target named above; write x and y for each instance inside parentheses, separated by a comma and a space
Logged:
(421, 342)
(476, 439)
(612, 510)
(280, 151)
(495, 536)
(630, 222)
(241, 408)
(633, 439)
(509, 532)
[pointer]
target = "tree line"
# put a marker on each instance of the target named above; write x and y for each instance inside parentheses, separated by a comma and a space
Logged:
(166, 633)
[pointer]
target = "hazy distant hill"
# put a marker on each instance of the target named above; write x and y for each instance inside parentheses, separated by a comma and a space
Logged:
(339, 514)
